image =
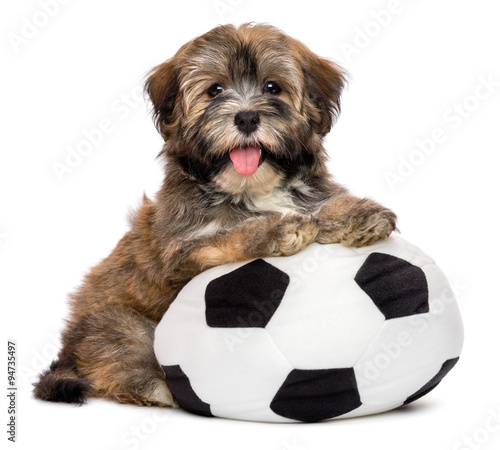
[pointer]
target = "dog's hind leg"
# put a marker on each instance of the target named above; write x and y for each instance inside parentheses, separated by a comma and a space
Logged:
(111, 355)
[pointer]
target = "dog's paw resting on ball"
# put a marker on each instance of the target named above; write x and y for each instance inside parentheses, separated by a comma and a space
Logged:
(243, 113)
(354, 222)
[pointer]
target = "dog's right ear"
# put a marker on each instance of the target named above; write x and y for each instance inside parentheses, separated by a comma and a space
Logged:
(162, 86)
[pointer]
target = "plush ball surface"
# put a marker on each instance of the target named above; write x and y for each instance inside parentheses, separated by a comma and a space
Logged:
(331, 332)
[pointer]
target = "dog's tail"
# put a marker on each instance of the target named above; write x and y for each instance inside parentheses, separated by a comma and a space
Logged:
(61, 383)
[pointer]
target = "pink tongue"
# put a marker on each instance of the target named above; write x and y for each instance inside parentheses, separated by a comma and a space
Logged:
(245, 159)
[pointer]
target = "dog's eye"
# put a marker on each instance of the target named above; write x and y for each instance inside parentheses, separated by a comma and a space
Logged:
(215, 90)
(272, 88)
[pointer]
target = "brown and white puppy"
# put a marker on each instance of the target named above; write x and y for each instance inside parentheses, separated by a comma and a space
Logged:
(243, 112)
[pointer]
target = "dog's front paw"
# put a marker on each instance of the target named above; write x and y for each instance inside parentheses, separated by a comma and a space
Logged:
(294, 234)
(288, 236)
(368, 228)
(361, 224)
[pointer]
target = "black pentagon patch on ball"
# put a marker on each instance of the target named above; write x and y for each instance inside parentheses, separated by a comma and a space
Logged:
(397, 287)
(245, 297)
(180, 386)
(424, 390)
(313, 395)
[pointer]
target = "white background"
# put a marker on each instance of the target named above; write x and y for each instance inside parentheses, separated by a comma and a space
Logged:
(87, 63)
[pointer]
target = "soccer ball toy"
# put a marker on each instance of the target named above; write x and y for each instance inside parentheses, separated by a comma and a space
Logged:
(331, 332)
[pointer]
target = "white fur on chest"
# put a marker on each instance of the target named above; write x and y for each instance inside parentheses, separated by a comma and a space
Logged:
(279, 201)
(260, 193)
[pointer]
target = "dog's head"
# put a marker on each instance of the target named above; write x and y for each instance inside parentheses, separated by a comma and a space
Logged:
(238, 105)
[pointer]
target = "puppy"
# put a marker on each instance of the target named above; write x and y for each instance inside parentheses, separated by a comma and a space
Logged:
(243, 112)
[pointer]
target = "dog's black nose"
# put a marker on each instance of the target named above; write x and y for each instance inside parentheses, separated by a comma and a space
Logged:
(247, 121)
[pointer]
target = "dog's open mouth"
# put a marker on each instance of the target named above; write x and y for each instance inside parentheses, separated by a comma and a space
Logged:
(246, 160)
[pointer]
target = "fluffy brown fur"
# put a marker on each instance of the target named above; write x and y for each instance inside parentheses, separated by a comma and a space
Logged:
(207, 213)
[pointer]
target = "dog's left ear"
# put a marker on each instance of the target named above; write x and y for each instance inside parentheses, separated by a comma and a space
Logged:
(324, 82)
(162, 87)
